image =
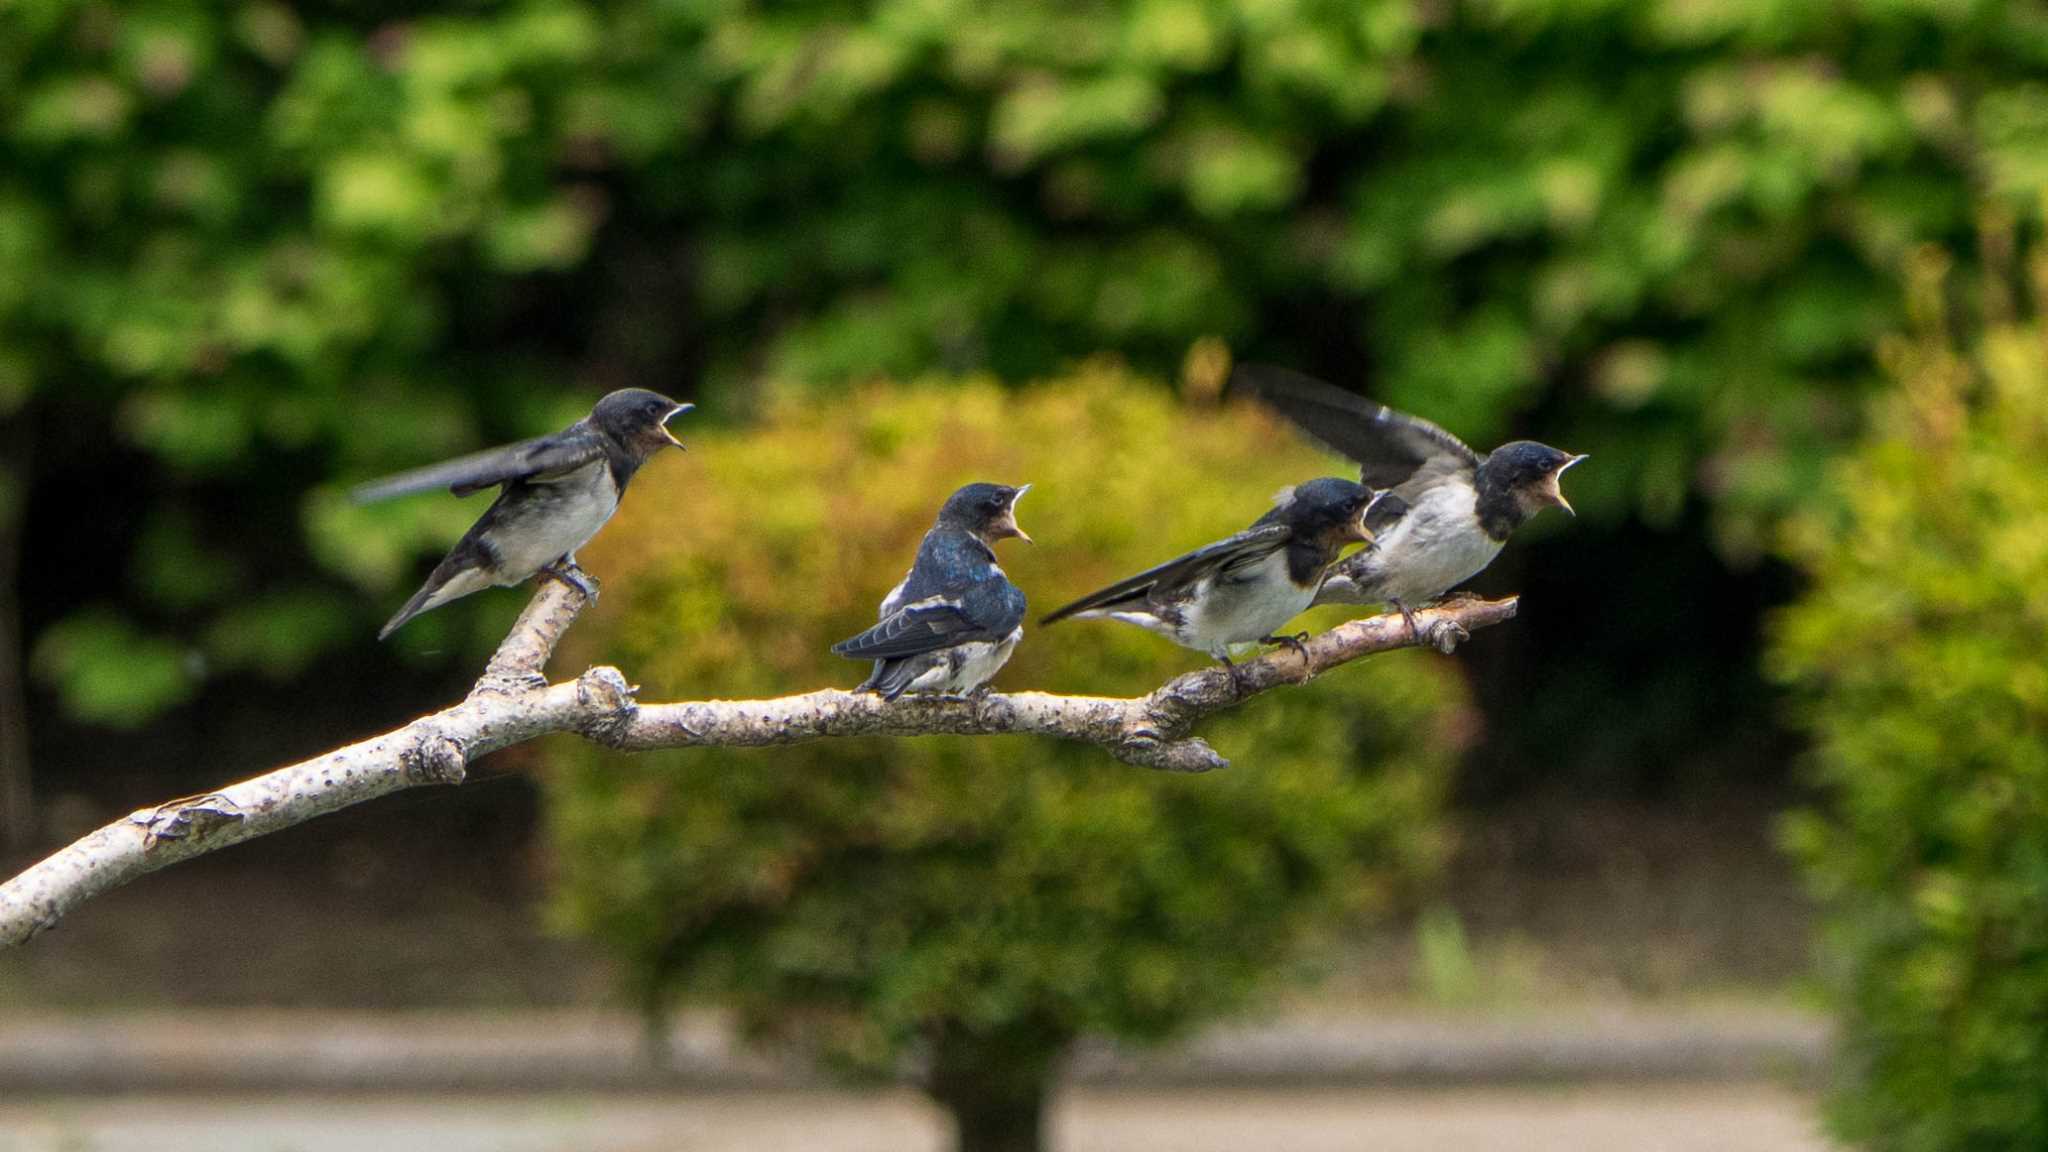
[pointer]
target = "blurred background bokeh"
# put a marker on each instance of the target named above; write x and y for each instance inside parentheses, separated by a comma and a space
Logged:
(1769, 731)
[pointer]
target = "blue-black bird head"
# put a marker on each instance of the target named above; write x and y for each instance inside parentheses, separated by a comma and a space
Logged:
(989, 511)
(1527, 472)
(637, 420)
(1331, 510)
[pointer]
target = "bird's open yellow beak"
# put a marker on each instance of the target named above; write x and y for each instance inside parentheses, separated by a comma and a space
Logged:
(1553, 492)
(1008, 524)
(674, 412)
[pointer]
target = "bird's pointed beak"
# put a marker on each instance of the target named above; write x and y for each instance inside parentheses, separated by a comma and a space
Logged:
(1553, 492)
(1363, 532)
(674, 412)
(1007, 526)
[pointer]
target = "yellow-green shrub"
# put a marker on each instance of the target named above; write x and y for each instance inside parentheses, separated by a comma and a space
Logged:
(992, 897)
(1922, 654)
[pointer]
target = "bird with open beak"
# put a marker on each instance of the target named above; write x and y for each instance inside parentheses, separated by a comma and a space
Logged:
(951, 623)
(1451, 509)
(555, 492)
(1242, 590)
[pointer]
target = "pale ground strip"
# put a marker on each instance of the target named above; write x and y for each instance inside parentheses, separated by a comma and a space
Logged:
(1661, 1118)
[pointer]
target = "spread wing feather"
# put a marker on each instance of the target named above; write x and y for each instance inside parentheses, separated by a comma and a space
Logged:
(542, 456)
(1251, 545)
(1390, 447)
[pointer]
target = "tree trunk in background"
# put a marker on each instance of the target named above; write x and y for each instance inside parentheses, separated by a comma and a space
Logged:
(995, 1085)
(17, 799)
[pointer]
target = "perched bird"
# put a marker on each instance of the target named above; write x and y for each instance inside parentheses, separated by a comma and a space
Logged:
(1456, 507)
(1243, 589)
(950, 625)
(557, 491)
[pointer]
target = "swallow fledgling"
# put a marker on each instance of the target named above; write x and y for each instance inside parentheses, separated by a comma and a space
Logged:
(950, 625)
(1243, 589)
(556, 492)
(1456, 507)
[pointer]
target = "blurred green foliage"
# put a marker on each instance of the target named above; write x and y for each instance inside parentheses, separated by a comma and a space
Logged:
(1921, 653)
(978, 902)
(347, 237)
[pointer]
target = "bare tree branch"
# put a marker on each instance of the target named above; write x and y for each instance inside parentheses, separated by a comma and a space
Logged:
(513, 702)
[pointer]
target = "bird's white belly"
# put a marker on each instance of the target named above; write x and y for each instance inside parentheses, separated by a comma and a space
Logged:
(1434, 547)
(1241, 611)
(963, 668)
(581, 502)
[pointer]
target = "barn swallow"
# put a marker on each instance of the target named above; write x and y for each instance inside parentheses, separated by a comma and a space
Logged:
(556, 492)
(1241, 590)
(1456, 507)
(950, 625)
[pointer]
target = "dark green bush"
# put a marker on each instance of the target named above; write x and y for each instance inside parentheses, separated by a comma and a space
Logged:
(973, 903)
(1921, 657)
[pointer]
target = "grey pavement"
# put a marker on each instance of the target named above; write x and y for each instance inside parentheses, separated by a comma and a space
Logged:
(582, 1051)
(1630, 1118)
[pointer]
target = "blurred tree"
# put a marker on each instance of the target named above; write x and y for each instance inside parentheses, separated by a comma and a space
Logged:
(974, 906)
(1921, 653)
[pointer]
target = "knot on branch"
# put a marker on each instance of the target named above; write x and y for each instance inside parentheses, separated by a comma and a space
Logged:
(607, 699)
(1173, 708)
(435, 759)
(189, 817)
(1445, 636)
(508, 681)
(1145, 748)
(46, 917)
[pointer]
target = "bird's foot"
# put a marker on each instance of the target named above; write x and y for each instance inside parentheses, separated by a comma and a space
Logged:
(1461, 596)
(1408, 614)
(1237, 685)
(570, 575)
(1298, 643)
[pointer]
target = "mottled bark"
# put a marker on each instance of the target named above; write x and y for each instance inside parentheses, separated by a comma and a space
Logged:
(513, 702)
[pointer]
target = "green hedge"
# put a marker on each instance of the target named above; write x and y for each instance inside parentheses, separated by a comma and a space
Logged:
(1921, 657)
(290, 241)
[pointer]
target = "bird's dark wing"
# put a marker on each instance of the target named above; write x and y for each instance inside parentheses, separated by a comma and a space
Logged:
(1390, 446)
(1252, 544)
(1384, 511)
(543, 456)
(986, 612)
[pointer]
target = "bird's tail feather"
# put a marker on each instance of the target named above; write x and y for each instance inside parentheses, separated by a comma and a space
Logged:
(413, 607)
(447, 582)
(890, 679)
